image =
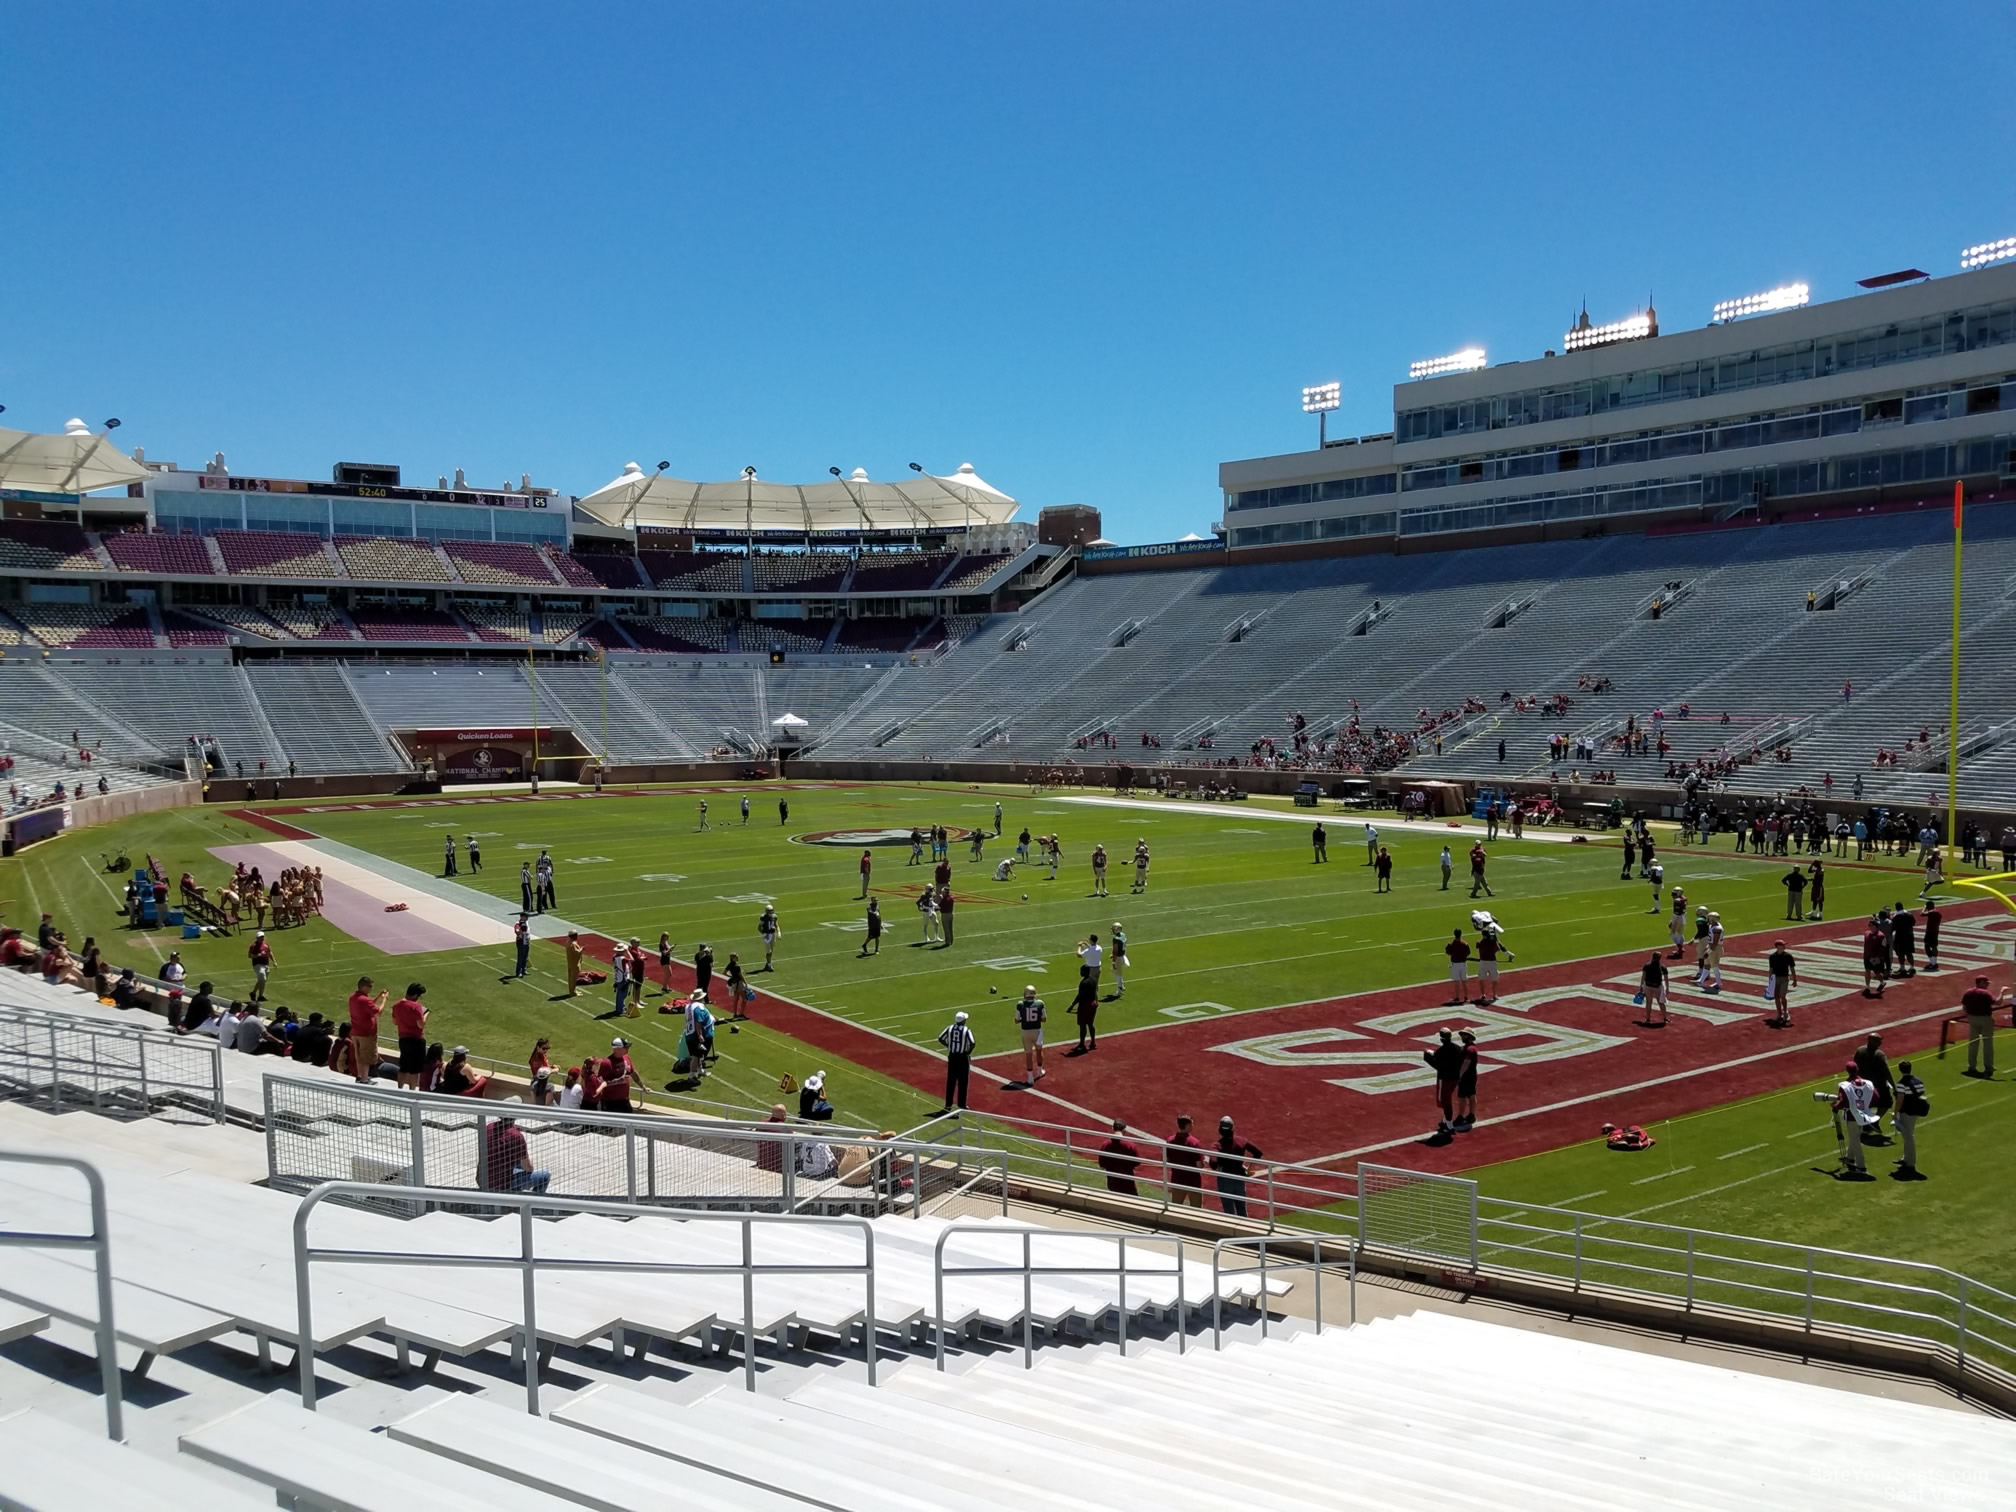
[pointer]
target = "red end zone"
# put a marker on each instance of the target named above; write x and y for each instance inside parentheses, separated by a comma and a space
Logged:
(1561, 1053)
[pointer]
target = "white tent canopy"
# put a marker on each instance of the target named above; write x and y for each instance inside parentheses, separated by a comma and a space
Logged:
(923, 501)
(789, 721)
(75, 462)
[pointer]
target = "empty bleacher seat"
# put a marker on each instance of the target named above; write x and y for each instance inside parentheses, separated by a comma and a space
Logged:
(391, 559)
(800, 571)
(675, 633)
(46, 546)
(972, 571)
(498, 562)
(276, 553)
(98, 625)
(898, 571)
(698, 571)
(156, 551)
(388, 624)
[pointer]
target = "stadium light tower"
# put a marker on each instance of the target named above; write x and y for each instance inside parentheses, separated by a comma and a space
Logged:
(1466, 361)
(1785, 297)
(1587, 334)
(1318, 400)
(1987, 252)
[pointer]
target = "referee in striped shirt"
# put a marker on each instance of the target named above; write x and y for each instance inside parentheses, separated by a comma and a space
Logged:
(958, 1042)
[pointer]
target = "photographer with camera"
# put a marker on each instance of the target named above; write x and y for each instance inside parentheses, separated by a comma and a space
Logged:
(1912, 1104)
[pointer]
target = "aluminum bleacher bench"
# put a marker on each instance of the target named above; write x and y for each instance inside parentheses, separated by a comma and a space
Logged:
(53, 1466)
(315, 1460)
(531, 1451)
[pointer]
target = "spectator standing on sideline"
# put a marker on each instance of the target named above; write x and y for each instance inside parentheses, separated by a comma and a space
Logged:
(1904, 941)
(364, 1010)
(1978, 1003)
(1445, 1060)
(1912, 1105)
(1029, 1020)
(1458, 951)
(1120, 1158)
(1229, 1162)
(1319, 843)
(619, 976)
(409, 1023)
(703, 969)
(1466, 1082)
(1182, 1161)
(957, 1038)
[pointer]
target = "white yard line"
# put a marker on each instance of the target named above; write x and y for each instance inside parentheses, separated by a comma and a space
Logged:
(1746, 1150)
(1662, 1175)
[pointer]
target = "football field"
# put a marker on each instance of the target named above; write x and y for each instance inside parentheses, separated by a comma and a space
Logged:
(1287, 993)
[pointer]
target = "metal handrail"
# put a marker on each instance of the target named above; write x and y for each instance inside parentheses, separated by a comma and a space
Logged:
(99, 1073)
(99, 1242)
(1028, 1270)
(1968, 1321)
(412, 1109)
(528, 1264)
(1266, 1267)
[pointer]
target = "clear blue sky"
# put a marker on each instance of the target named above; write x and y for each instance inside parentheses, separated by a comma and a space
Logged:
(1093, 248)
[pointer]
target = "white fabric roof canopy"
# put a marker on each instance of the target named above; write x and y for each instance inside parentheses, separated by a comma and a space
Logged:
(921, 501)
(77, 461)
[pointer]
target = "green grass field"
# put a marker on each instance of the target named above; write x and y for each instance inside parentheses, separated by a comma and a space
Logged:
(1235, 918)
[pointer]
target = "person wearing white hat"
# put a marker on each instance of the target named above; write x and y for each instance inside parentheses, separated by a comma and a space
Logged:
(957, 1038)
(261, 955)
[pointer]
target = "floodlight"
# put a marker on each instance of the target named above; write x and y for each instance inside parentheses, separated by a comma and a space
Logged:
(1585, 335)
(1785, 297)
(1466, 361)
(1988, 252)
(1322, 398)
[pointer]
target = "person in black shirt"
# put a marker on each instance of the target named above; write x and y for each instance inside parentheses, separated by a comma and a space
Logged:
(1875, 1068)
(313, 1043)
(196, 1012)
(703, 968)
(1446, 1059)
(1466, 1083)
(1784, 977)
(1085, 1009)
(1904, 942)
(1795, 893)
(1652, 987)
(1229, 1161)
(1933, 919)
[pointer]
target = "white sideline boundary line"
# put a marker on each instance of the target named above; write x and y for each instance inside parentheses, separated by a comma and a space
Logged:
(1351, 829)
